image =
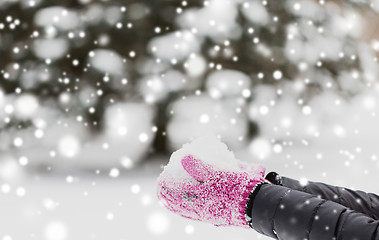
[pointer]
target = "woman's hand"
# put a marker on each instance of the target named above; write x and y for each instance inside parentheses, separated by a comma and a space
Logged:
(214, 195)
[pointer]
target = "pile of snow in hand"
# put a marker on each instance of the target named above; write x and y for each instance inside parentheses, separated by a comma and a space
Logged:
(209, 149)
(196, 116)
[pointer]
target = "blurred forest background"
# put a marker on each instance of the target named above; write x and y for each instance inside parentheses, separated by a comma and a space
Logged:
(112, 82)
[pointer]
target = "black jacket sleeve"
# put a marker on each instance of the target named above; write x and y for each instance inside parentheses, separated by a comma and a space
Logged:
(283, 213)
(359, 201)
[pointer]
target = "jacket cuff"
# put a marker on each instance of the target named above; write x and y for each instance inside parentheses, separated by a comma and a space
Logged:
(264, 208)
(250, 202)
(280, 212)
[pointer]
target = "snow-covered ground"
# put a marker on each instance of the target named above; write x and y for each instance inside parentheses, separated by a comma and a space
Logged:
(98, 207)
(78, 205)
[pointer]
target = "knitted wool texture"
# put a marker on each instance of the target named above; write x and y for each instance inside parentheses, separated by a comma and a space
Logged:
(215, 196)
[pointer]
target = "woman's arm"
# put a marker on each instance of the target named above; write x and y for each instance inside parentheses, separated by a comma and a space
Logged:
(284, 213)
(359, 201)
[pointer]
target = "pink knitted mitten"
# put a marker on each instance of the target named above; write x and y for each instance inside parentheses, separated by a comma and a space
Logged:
(215, 196)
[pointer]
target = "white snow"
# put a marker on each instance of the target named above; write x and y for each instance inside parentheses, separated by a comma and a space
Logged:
(216, 20)
(152, 88)
(2, 97)
(68, 146)
(177, 45)
(327, 119)
(208, 149)
(260, 148)
(277, 74)
(127, 137)
(50, 48)
(305, 8)
(227, 83)
(128, 129)
(297, 50)
(370, 68)
(93, 14)
(106, 61)
(176, 81)
(112, 14)
(10, 171)
(195, 65)
(299, 136)
(375, 5)
(188, 121)
(56, 230)
(347, 24)
(59, 17)
(255, 12)
(158, 223)
(26, 105)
